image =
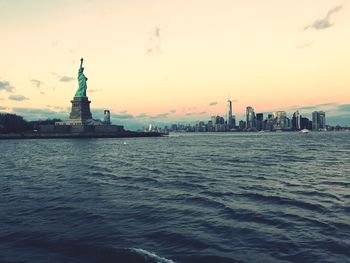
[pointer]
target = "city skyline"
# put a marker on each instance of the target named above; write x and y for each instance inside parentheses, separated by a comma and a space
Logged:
(166, 62)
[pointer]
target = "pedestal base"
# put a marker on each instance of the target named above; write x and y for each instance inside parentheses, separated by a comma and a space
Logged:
(80, 109)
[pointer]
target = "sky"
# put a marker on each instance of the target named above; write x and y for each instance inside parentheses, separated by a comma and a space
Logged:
(163, 61)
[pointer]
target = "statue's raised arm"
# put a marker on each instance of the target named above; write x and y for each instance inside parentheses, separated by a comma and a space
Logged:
(81, 63)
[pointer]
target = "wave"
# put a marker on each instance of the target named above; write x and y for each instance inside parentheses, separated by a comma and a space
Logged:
(286, 201)
(151, 255)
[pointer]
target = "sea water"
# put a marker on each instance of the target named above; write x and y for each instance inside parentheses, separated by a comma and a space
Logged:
(220, 197)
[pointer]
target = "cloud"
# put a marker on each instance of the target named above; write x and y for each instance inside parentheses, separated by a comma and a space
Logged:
(6, 86)
(308, 108)
(203, 112)
(63, 78)
(36, 114)
(344, 107)
(66, 79)
(154, 42)
(3, 108)
(304, 45)
(123, 112)
(18, 97)
(213, 103)
(94, 90)
(159, 116)
(343, 119)
(56, 107)
(142, 115)
(322, 106)
(157, 32)
(97, 113)
(55, 43)
(172, 111)
(37, 83)
(122, 116)
(327, 104)
(324, 23)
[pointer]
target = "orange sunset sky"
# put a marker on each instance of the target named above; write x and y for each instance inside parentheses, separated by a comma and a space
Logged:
(166, 61)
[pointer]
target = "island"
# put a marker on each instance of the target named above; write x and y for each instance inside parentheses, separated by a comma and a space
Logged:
(80, 123)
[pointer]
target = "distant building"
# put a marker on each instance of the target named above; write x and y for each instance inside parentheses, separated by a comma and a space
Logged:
(305, 123)
(200, 127)
(218, 123)
(173, 127)
(210, 126)
(229, 113)
(268, 123)
(242, 125)
(230, 119)
(259, 121)
(250, 114)
(215, 120)
(296, 121)
(318, 120)
(281, 121)
(107, 117)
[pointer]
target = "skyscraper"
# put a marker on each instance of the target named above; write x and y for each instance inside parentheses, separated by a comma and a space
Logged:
(296, 121)
(230, 119)
(214, 120)
(280, 120)
(250, 118)
(259, 121)
(318, 120)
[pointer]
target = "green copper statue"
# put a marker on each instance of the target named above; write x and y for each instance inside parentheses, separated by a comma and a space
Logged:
(81, 92)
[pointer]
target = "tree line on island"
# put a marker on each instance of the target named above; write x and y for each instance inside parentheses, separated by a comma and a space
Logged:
(10, 123)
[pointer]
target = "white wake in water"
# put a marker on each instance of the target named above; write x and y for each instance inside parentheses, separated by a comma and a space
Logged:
(151, 255)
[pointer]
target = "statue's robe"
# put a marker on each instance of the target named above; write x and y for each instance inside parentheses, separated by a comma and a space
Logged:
(81, 92)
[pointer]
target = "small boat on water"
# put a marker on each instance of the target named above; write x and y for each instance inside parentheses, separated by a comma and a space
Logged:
(304, 131)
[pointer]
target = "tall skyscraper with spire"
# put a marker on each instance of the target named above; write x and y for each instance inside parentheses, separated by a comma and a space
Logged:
(230, 119)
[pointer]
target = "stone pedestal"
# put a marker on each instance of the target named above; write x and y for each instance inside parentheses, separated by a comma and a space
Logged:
(80, 109)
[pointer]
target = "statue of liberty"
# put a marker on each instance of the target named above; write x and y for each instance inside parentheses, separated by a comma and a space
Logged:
(81, 92)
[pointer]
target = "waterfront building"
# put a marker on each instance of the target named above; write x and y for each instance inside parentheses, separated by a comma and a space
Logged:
(318, 120)
(220, 124)
(296, 121)
(242, 125)
(259, 121)
(200, 127)
(230, 118)
(173, 127)
(229, 114)
(250, 115)
(215, 120)
(210, 126)
(269, 122)
(281, 121)
(305, 123)
(107, 117)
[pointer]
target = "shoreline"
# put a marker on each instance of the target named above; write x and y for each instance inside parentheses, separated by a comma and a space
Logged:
(35, 135)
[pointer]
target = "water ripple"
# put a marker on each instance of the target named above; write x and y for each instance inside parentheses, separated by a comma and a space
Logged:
(186, 198)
